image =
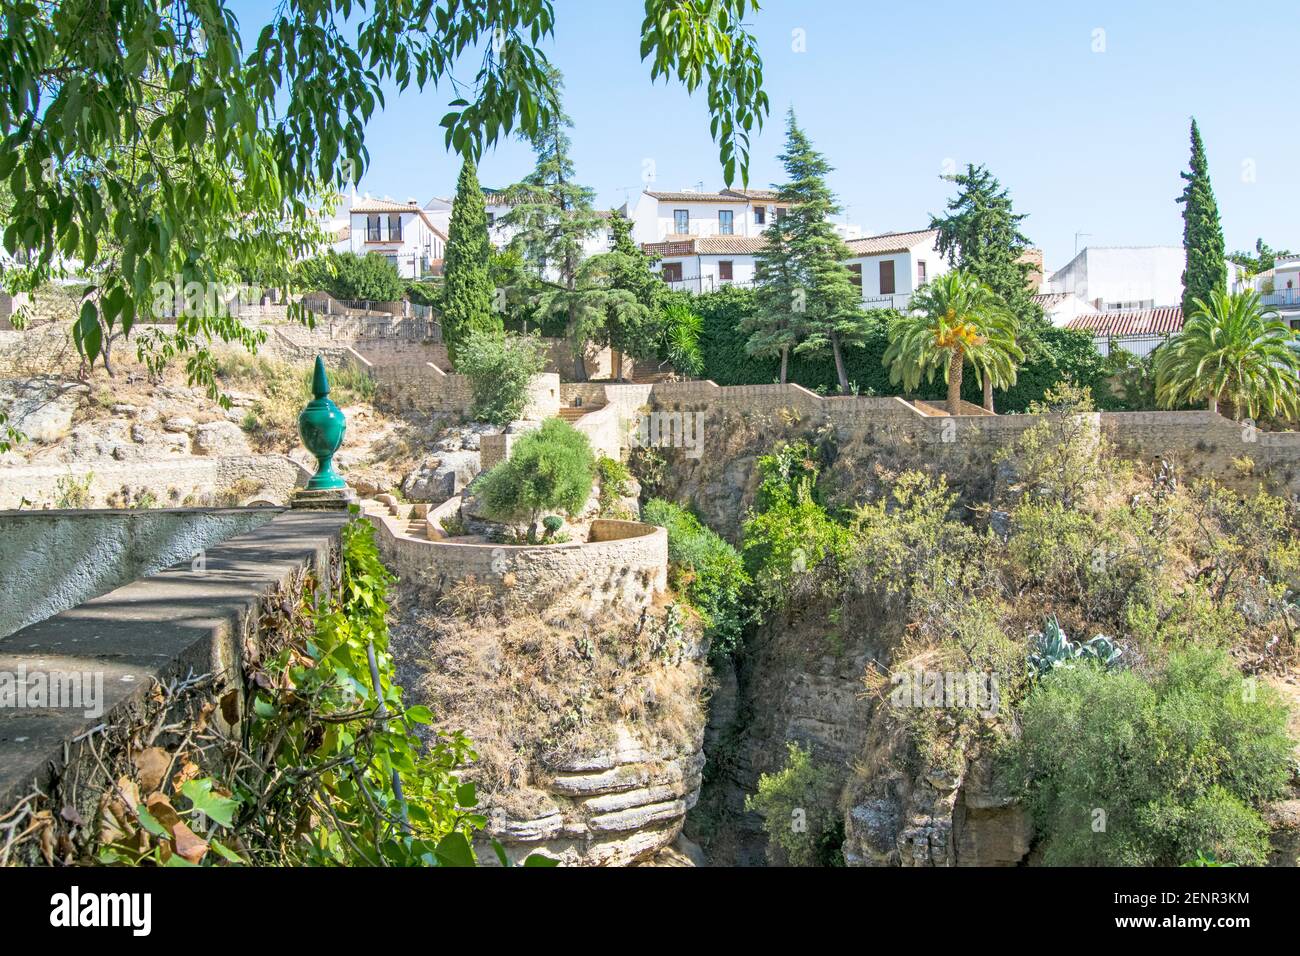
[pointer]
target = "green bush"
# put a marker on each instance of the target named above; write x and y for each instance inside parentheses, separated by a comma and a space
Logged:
(614, 480)
(346, 275)
(551, 469)
(708, 571)
(1125, 771)
(797, 805)
(500, 369)
(1053, 354)
(790, 542)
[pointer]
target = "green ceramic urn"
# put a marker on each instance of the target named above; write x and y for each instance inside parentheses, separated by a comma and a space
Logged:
(321, 426)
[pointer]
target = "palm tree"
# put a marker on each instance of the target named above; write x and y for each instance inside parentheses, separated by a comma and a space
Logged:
(956, 318)
(1231, 350)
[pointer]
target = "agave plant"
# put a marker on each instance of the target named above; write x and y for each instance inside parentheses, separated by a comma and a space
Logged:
(1053, 649)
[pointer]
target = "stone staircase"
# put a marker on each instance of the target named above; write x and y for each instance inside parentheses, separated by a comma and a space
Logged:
(410, 519)
(571, 413)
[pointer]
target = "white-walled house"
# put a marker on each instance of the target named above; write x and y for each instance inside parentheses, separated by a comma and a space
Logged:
(403, 233)
(1139, 331)
(1278, 288)
(706, 263)
(666, 216)
(890, 267)
(1123, 278)
(1061, 308)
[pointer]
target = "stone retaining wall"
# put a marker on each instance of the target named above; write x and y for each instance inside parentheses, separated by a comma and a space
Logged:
(170, 482)
(625, 563)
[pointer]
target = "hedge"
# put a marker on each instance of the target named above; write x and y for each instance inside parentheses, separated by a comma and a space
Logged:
(1060, 353)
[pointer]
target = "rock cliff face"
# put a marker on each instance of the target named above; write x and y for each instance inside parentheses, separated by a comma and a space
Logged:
(589, 729)
(616, 807)
(802, 681)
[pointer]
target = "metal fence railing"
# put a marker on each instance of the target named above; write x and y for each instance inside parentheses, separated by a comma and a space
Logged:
(1140, 345)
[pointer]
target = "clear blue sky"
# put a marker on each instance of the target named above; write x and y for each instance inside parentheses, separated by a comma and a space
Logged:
(1086, 141)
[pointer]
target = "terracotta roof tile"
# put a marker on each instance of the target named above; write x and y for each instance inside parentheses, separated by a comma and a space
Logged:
(890, 242)
(1144, 322)
(697, 197)
(706, 246)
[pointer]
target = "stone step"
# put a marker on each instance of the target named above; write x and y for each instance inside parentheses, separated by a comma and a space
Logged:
(573, 413)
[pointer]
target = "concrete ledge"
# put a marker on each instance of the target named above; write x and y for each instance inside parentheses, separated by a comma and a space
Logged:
(55, 559)
(160, 626)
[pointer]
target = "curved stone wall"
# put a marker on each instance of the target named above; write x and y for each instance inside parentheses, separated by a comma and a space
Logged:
(623, 563)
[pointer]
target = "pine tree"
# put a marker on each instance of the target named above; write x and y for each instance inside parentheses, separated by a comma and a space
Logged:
(981, 235)
(627, 331)
(467, 285)
(1206, 271)
(774, 328)
(806, 298)
(552, 217)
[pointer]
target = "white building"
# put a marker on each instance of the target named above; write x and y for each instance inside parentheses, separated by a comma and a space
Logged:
(890, 267)
(1123, 278)
(1141, 331)
(706, 263)
(670, 216)
(1061, 308)
(403, 233)
(1278, 288)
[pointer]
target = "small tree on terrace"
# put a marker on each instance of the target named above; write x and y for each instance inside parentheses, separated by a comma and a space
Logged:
(551, 469)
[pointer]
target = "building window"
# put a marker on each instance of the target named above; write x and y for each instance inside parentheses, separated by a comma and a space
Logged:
(672, 271)
(394, 227)
(780, 213)
(724, 270)
(681, 221)
(726, 222)
(920, 273)
(760, 215)
(491, 219)
(372, 229)
(855, 274)
(887, 277)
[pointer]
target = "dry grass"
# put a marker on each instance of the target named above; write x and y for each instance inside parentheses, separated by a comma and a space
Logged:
(532, 690)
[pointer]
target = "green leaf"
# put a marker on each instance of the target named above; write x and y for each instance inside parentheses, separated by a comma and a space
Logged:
(454, 850)
(214, 806)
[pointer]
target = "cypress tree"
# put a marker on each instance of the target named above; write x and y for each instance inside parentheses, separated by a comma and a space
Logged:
(467, 285)
(1206, 271)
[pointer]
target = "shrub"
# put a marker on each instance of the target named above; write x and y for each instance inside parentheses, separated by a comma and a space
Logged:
(1122, 771)
(708, 571)
(799, 816)
(346, 275)
(551, 469)
(614, 478)
(500, 369)
(791, 544)
(1052, 355)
